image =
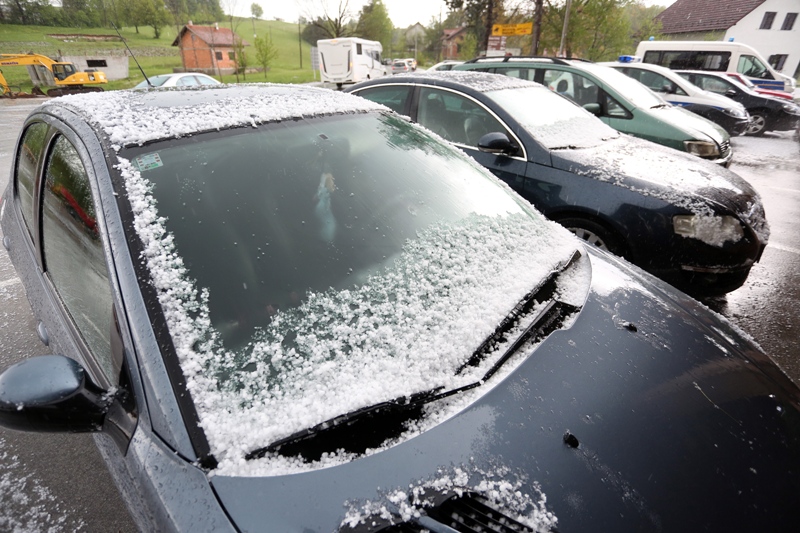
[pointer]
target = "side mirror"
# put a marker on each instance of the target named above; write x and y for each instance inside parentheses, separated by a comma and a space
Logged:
(593, 108)
(730, 92)
(497, 143)
(51, 393)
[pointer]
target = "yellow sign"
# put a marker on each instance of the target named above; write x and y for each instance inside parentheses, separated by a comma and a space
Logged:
(508, 30)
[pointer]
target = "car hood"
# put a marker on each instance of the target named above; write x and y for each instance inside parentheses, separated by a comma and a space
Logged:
(675, 177)
(649, 413)
(695, 126)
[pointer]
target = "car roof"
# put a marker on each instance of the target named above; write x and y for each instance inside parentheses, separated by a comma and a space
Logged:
(477, 81)
(140, 116)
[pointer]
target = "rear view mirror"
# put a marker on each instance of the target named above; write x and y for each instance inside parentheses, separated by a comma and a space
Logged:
(497, 143)
(730, 92)
(50, 393)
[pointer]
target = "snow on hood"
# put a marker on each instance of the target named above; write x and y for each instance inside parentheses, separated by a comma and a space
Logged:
(407, 329)
(674, 177)
(140, 116)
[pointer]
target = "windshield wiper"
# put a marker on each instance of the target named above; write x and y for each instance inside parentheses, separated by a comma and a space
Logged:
(394, 413)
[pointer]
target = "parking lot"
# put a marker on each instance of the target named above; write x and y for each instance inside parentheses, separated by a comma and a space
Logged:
(42, 468)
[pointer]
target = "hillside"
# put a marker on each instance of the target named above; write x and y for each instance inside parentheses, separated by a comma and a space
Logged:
(157, 56)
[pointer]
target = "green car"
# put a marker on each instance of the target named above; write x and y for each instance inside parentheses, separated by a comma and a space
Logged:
(619, 101)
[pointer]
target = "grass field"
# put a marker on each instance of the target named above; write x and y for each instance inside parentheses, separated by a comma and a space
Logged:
(157, 56)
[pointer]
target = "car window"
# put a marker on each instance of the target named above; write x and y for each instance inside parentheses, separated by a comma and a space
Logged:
(395, 97)
(205, 80)
(187, 81)
(73, 252)
(516, 72)
(30, 152)
(455, 117)
(655, 81)
(577, 88)
(713, 84)
(752, 67)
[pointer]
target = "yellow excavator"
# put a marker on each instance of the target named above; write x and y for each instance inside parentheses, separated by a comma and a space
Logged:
(64, 76)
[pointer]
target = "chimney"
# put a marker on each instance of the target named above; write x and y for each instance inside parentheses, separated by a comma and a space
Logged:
(216, 25)
(190, 23)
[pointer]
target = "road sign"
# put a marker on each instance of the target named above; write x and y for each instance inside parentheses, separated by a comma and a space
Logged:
(508, 30)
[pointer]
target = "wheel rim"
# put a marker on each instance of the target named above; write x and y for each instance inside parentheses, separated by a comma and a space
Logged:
(757, 123)
(590, 237)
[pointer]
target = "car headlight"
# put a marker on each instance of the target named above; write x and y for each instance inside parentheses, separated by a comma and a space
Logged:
(712, 230)
(702, 148)
(791, 109)
(735, 112)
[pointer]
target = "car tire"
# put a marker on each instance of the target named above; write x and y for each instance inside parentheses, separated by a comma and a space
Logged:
(758, 123)
(595, 234)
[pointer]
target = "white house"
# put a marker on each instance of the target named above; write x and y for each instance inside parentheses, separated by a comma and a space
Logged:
(770, 26)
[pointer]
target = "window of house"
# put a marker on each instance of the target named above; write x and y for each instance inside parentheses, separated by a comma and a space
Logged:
(788, 22)
(358, 49)
(96, 63)
(73, 252)
(218, 55)
(29, 155)
(232, 56)
(766, 22)
(778, 60)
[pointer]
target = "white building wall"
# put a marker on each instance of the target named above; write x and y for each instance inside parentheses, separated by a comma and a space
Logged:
(775, 40)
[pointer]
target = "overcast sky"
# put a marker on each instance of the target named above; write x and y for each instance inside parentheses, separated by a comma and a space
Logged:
(403, 13)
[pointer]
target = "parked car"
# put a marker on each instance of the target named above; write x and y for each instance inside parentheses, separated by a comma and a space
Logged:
(760, 90)
(729, 115)
(767, 113)
(692, 223)
(400, 66)
(447, 64)
(286, 308)
(618, 101)
(179, 79)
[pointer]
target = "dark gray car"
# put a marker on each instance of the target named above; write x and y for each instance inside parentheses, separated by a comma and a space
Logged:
(691, 223)
(288, 309)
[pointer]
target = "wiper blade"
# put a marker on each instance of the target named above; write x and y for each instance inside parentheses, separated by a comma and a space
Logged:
(394, 412)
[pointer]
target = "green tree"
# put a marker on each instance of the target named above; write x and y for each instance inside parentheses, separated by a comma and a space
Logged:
(29, 12)
(374, 24)
(598, 29)
(256, 10)
(241, 58)
(266, 52)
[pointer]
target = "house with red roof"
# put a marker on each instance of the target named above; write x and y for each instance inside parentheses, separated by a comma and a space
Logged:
(769, 26)
(208, 49)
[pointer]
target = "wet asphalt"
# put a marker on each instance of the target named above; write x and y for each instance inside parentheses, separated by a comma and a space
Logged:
(59, 482)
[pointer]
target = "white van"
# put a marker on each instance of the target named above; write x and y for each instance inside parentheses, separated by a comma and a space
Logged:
(349, 60)
(717, 56)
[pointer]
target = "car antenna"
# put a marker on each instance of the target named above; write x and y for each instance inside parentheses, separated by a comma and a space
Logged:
(133, 56)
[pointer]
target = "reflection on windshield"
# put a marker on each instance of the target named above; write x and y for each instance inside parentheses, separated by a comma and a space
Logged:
(551, 119)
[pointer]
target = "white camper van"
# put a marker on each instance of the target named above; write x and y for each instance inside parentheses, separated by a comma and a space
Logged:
(349, 60)
(717, 56)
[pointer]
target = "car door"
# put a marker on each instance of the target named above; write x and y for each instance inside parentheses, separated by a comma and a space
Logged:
(78, 312)
(463, 120)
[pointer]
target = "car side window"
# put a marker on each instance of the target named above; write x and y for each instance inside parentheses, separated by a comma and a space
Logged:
(73, 252)
(516, 72)
(658, 83)
(715, 85)
(752, 67)
(188, 81)
(613, 108)
(577, 88)
(455, 117)
(29, 155)
(395, 97)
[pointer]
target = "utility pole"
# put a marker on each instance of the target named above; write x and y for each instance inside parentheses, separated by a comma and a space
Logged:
(561, 52)
(300, 42)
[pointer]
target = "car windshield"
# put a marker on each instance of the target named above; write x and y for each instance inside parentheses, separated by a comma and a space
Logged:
(630, 89)
(551, 119)
(309, 268)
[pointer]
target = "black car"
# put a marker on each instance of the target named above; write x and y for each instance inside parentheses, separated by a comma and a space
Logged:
(767, 113)
(688, 221)
(289, 309)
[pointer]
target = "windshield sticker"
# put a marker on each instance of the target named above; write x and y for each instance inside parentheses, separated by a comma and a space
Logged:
(149, 161)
